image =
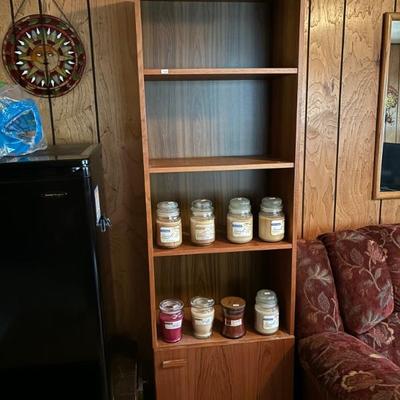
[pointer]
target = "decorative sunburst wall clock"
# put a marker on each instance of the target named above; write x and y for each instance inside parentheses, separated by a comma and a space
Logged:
(44, 55)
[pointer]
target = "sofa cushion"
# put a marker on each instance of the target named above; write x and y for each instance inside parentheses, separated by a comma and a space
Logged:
(362, 279)
(388, 237)
(349, 369)
(385, 337)
(316, 301)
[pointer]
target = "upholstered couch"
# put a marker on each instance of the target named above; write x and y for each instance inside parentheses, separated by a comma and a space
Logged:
(348, 314)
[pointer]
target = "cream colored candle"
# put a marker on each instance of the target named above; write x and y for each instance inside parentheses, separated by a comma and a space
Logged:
(202, 222)
(239, 221)
(271, 220)
(267, 312)
(202, 310)
(168, 225)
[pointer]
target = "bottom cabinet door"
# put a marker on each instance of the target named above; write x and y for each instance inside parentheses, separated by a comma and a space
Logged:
(242, 371)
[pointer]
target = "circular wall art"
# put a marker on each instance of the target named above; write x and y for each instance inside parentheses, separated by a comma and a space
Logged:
(44, 55)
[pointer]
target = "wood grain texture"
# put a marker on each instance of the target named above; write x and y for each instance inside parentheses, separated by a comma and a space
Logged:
(215, 373)
(202, 164)
(326, 30)
(207, 118)
(390, 210)
(6, 21)
(215, 73)
(120, 127)
(361, 54)
(213, 34)
(75, 113)
(22, 9)
(302, 115)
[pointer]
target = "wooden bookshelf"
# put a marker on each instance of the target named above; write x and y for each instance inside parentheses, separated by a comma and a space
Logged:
(216, 339)
(218, 109)
(215, 73)
(203, 164)
(220, 246)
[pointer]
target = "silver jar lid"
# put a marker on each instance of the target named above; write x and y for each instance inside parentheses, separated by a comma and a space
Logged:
(266, 298)
(271, 204)
(168, 209)
(171, 306)
(202, 208)
(239, 205)
(202, 302)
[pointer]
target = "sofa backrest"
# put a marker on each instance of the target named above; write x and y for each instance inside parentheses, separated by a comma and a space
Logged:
(362, 279)
(317, 307)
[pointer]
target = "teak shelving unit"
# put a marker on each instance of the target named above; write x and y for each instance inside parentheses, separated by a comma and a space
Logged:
(218, 100)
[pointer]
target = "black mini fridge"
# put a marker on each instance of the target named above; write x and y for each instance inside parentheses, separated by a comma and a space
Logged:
(51, 331)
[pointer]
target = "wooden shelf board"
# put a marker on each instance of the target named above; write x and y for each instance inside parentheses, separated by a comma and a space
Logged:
(216, 339)
(204, 164)
(214, 73)
(221, 245)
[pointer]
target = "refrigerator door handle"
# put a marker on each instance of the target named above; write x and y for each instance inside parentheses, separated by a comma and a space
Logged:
(104, 223)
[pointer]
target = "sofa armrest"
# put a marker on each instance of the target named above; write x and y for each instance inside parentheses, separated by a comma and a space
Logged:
(346, 368)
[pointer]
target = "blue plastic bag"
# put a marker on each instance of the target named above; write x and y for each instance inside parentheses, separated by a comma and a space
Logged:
(21, 129)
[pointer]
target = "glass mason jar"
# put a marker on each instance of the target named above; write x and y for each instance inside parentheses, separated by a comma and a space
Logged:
(233, 324)
(168, 225)
(202, 310)
(267, 312)
(202, 222)
(271, 220)
(171, 318)
(239, 221)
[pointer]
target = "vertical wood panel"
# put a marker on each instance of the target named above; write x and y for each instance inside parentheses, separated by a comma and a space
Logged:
(5, 14)
(362, 45)
(302, 114)
(22, 9)
(118, 93)
(74, 113)
(390, 210)
(326, 31)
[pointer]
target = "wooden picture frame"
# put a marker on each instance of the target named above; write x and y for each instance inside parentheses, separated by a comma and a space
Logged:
(389, 18)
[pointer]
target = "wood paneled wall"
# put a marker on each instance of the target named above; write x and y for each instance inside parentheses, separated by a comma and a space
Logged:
(339, 117)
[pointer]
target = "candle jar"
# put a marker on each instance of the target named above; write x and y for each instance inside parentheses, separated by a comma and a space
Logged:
(233, 324)
(202, 222)
(169, 225)
(271, 220)
(240, 221)
(267, 312)
(202, 310)
(171, 317)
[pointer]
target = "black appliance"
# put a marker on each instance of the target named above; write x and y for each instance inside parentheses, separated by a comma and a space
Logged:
(51, 333)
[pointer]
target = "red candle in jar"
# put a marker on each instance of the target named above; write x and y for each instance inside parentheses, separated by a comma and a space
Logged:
(171, 318)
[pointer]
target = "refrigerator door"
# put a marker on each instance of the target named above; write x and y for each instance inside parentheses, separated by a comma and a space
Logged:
(50, 325)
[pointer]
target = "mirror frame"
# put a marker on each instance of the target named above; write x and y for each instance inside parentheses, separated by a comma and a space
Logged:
(383, 85)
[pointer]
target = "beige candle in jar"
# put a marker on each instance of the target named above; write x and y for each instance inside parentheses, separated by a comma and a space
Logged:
(239, 221)
(202, 222)
(202, 310)
(168, 225)
(271, 220)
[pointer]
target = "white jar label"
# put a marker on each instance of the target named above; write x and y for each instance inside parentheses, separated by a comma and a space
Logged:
(242, 229)
(173, 324)
(203, 321)
(277, 227)
(170, 234)
(233, 322)
(205, 232)
(271, 322)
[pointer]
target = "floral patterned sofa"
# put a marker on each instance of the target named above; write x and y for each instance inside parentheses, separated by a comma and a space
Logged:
(348, 314)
